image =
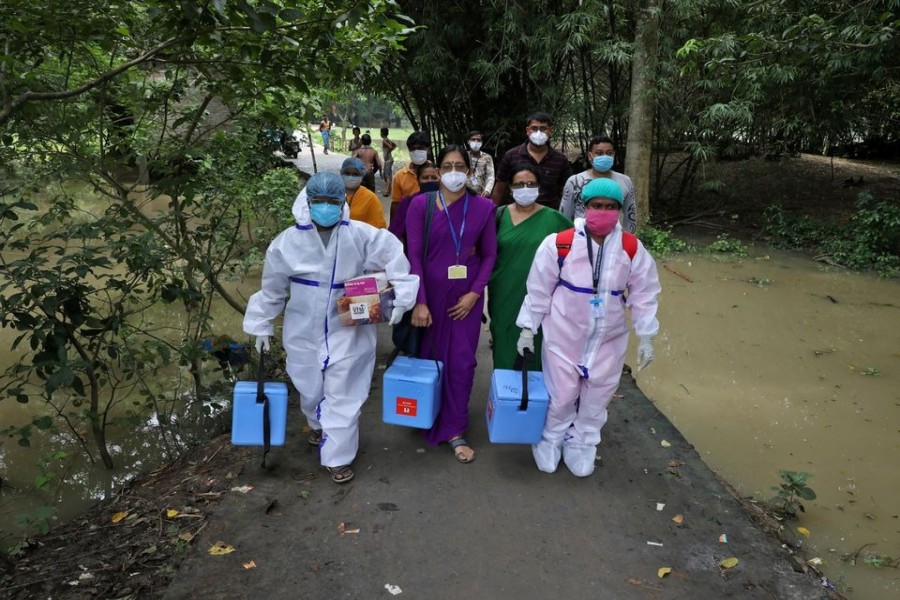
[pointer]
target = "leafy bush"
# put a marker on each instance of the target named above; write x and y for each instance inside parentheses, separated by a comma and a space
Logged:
(661, 241)
(869, 240)
(726, 244)
(786, 503)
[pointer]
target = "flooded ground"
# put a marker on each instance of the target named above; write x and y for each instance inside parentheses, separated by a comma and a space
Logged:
(772, 362)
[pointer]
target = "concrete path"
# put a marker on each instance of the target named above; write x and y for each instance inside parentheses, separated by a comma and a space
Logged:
(432, 528)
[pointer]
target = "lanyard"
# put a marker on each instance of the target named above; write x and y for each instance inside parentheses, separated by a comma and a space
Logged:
(457, 240)
(596, 268)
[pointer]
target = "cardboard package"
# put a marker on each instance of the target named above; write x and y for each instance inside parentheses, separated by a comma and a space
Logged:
(367, 300)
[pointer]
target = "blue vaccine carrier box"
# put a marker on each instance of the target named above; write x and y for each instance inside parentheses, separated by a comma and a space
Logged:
(247, 414)
(412, 392)
(508, 420)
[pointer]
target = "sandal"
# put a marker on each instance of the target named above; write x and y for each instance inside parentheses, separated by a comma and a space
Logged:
(341, 474)
(315, 437)
(456, 444)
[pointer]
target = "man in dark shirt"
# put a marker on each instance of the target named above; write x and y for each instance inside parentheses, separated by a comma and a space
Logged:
(552, 164)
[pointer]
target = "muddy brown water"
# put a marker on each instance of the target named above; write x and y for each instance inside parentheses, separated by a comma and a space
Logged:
(775, 362)
(764, 363)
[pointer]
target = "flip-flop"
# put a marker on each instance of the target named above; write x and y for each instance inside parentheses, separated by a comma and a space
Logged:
(315, 437)
(456, 443)
(341, 474)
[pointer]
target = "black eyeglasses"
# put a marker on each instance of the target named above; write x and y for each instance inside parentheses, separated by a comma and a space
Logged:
(518, 185)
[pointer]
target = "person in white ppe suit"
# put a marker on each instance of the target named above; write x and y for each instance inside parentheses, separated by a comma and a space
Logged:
(305, 266)
(580, 302)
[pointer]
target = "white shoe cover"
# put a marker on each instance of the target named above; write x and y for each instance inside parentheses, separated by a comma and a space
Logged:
(546, 455)
(580, 458)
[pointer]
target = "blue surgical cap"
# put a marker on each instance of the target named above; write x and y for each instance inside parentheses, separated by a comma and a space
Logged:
(325, 185)
(602, 187)
(354, 163)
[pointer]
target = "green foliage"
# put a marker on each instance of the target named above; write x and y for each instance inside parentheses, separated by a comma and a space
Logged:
(870, 240)
(793, 487)
(661, 241)
(156, 109)
(37, 520)
(758, 64)
(726, 244)
(881, 561)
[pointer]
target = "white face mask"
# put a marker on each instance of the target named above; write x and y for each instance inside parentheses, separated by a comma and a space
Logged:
(454, 180)
(418, 156)
(475, 146)
(525, 196)
(538, 138)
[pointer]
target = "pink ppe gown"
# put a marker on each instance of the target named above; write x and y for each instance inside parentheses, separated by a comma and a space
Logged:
(583, 354)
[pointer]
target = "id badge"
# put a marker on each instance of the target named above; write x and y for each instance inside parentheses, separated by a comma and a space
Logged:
(596, 307)
(457, 272)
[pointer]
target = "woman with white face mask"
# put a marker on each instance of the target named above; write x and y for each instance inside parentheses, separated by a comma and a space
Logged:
(462, 248)
(521, 227)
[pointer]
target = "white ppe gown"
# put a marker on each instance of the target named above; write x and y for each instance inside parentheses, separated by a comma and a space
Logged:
(584, 348)
(330, 365)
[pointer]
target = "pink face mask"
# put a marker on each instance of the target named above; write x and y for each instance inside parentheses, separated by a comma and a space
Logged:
(600, 222)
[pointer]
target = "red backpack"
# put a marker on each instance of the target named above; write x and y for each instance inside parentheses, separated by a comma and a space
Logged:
(565, 238)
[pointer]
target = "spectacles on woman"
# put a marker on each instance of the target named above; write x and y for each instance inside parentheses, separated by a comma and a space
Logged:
(458, 167)
(518, 185)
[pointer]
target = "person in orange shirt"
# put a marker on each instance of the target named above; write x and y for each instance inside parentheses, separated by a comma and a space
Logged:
(364, 204)
(406, 182)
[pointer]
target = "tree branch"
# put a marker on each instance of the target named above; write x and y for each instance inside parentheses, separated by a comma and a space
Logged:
(29, 96)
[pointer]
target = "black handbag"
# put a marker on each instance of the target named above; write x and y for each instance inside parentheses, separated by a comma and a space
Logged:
(407, 337)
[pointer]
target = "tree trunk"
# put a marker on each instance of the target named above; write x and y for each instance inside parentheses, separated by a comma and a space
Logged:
(639, 148)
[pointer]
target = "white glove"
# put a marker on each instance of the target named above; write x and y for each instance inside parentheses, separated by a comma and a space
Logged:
(526, 342)
(397, 314)
(262, 343)
(645, 352)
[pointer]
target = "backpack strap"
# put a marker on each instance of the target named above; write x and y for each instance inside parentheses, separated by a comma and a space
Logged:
(564, 244)
(629, 244)
(498, 215)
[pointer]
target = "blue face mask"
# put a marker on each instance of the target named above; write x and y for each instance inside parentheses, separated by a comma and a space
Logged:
(602, 163)
(351, 182)
(429, 186)
(324, 214)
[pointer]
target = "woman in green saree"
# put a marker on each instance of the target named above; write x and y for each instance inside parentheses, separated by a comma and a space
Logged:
(521, 227)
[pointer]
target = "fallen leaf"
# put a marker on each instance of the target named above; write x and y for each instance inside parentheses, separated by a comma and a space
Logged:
(675, 464)
(342, 529)
(250, 565)
(665, 444)
(804, 531)
(220, 548)
(727, 563)
(242, 489)
(186, 536)
(119, 516)
(171, 513)
(304, 494)
(663, 571)
(678, 519)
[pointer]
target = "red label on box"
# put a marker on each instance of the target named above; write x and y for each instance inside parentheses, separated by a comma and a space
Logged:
(407, 407)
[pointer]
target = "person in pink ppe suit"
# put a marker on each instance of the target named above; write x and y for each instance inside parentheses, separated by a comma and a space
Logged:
(580, 302)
